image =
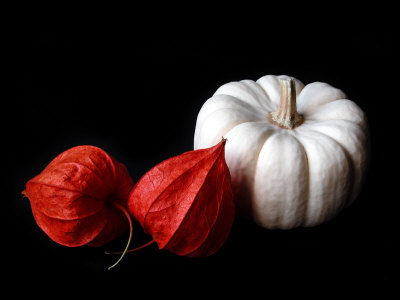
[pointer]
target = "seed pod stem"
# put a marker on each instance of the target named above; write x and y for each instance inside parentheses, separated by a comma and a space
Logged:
(130, 233)
(131, 250)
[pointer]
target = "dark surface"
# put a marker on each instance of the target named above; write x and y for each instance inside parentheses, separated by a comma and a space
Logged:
(138, 99)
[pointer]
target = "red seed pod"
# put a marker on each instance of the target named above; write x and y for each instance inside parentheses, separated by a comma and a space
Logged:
(186, 202)
(79, 198)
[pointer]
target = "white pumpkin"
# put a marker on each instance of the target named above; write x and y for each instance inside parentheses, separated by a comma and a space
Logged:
(289, 167)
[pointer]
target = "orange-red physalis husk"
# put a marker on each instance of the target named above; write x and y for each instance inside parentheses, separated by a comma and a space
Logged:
(80, 197)
(186, 202)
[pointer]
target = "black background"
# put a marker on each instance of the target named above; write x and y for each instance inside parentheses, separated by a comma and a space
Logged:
(136, 94)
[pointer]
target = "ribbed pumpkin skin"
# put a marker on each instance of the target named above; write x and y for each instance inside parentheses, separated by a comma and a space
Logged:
(285, 178)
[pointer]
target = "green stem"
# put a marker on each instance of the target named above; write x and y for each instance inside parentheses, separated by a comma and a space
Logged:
(132, 250)
(130, 233)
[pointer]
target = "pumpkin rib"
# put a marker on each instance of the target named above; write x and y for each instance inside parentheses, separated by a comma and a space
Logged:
(308, 179)
(229, 98)
(264, 99)
(281, 206)
(222, 101)
(329, 209)
(351, 162)
(347, 122)
(310, 97)
(270, 131)
(230, 125)
(269, 88)
(335, 123)
(216, 105)
(249, 108)
(267, 93)
(309, 114)
(352, 111)
(351, 171)
(237, 87)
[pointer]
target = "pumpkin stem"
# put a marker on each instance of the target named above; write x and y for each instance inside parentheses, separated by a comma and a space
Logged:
(286, 116)
(130, 232)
